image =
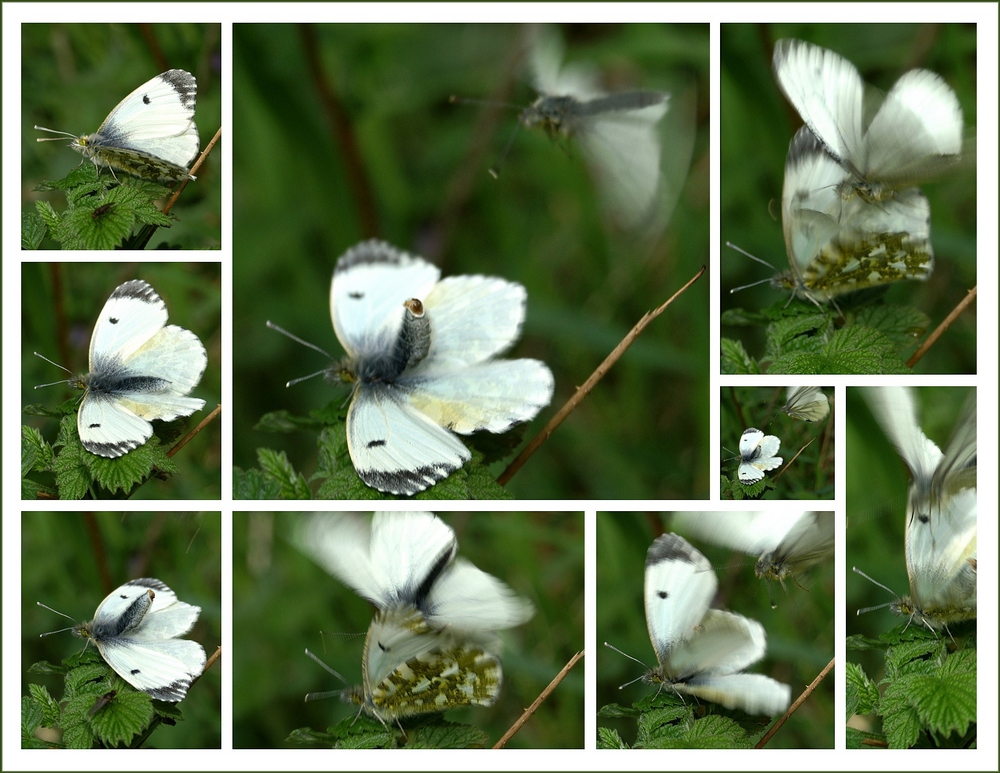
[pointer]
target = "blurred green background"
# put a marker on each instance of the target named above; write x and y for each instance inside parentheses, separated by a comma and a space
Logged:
(71, 561)
(283, 602)
(811, 476)
(757, 123)
(877, 483)
(60, 303)
(423, 186)
(73, 75)
(799, 631)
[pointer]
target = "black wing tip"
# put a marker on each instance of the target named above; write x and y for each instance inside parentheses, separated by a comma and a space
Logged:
(670, 547)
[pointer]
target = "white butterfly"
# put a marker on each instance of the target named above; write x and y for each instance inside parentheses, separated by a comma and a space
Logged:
(617, 133)
(941, 552)
(916, 132)
(141, 369)
(136, 628)
(421, 356)
(757, 455)
(786, 543)
(702, 651)
(837, 246)
(806, 403)
(150, 134)
(432, 644)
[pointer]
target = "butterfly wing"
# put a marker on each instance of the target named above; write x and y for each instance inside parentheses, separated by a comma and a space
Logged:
(809, 541)
(130, 318)
(757, 454)
(410, 668)
(917, 132)
(722, 643)
(394, 447)
(828, 94)
(752, 693)
(466, 598)
(370, 283)
(164, 669)
(679, 586)
(156, 119)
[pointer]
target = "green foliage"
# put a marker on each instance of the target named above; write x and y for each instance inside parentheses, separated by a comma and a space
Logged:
(79, 473)
(540, 555)
(59, 305)
(756, 126)
(868, 340)
(84, 719)
(927, 695)
(665, 721)
(101, 211)
(71, 561)
(810, 476)
(75, 79)
(423, 185)
(429, 732)
(800, 636)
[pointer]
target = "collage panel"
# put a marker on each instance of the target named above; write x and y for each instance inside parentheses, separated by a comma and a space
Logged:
(136, 681)
(147, 423)
(777, 442)
(456, 647)
(719, 619)
(913, 559)
(857, 142)
(392, 130)
(138, 102)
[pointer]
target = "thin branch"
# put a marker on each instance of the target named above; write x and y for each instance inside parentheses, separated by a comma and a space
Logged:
(528, 712)
(939, 331)
(785, 468)
(794, 707)
(190, 435)
(197, 165)
(591, 382)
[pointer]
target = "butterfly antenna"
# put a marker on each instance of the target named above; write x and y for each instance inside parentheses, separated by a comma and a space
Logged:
(53, 131)
(294, 337)
(638, 678)
(884, 587)
(64, 381)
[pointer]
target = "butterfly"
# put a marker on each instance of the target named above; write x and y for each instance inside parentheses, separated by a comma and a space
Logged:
(941, 510)
(806, 404)
(150, 134)
(135, 630)
(421, 358)
(432, 644)
(141, 369)
(701, 651)
(757, 455)
(837, 246)
(786, 544)
(916, 132)
(618, 134)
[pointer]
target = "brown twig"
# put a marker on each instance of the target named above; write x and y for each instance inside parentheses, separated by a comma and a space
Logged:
(794, 707)
(939, 330)
(197, 165)
(785, 468)
(526, 715)
(190, 435)
(591, 382)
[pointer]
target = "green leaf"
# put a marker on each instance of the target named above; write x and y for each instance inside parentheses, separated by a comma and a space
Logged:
(126, 716)
(446, 735)
(33, 230)
(276, 466)
(254, 484)
(735, 359)
(904, 326)
(862, 692)
(609, 739)
(36, 454)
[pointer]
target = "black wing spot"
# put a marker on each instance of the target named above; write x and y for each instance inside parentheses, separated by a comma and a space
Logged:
(662, 594)
(375, 444)
(356, 296)
(113, 320)
(145, 99)
(135, 671)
